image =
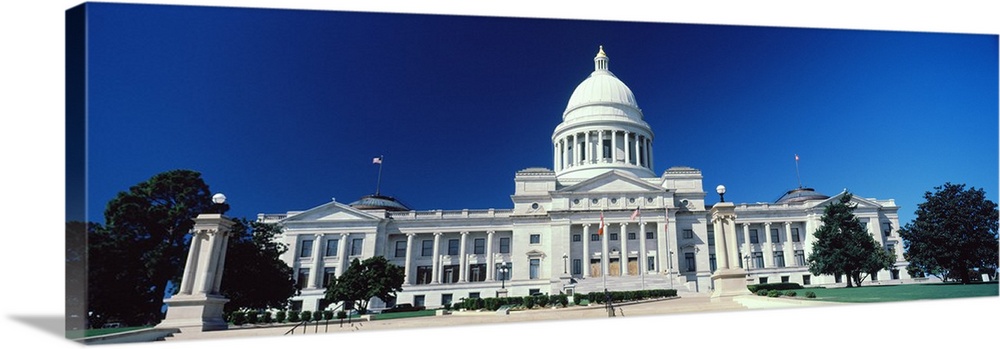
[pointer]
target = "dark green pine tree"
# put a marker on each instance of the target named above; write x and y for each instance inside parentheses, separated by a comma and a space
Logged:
(843, 246)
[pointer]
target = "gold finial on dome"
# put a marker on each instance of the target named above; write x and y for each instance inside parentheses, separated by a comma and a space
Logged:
(600, 51)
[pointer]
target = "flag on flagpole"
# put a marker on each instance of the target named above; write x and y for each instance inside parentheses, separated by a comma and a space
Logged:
(635, 214)
(377, 160)
(600, 229)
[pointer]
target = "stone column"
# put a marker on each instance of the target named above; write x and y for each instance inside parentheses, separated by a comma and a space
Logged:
(586, 251)
(650, 152)
(199, 308)
(589, 148)
(342, 254)
(436, 260)
(727, 281)
(747, 247)
(789, 246)
(408, 264)
(638, 154)
(768, 249)
(463, 260)
(614, 146)
(600, 146)
(605, 259)
(317, 261)
(642, 248)
(628, 148)
(623, 254)
(490, 262)
(562, 154)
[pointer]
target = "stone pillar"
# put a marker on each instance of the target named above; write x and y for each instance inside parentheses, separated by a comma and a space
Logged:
(789, 246)
(589, 148)
(727, 281)
(638, 154)
(490, 262)
(605, 259)
(317, 261)
(768, 248)
(586, 251)
(199, 307)
(463, 260)
(342, 254)
(614, 146)
(747, 247)
(600, 146)
(623, 254)
(628, 148)
(642, 248)
(436, 260)
(408, 264)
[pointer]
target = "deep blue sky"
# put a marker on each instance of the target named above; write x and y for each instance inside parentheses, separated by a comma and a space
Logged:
(283, 110)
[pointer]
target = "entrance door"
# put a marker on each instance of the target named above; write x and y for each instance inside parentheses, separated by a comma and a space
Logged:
(633, 266)
(615, 267)
(595, 267)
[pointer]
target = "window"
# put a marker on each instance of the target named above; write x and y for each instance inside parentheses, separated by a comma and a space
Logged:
(534, 291)
(595, 237)
(535, 239)
(762, 279)
(328, 274)
(631, 236)
(711, 262)
(423, 275)
(331, 247)
(806, 279)
(650, 263)
(577, 266)
(800, 258)
(446, 298)
(449, 274)
(779, 259)
(689, 261)
(875, 276)
(784, 279)
(758, 259)
(504, 245)
(775, 236)
(887, 228)
(306, 249)
(356, 245)
(614, 236)
(296, 305)
(711, 238)
(503, 273)
(473, 295)
(533, 266)
(836, 278)
(688, 234)
(400, 248)
(426, 248)
(479, 246)
(477, 272)
(452, 247)
(607, 148)
(418, 300)
(577, 238)
(753, 236)
(649, 235)
(303, 280)
(795, 234)
(894, 274)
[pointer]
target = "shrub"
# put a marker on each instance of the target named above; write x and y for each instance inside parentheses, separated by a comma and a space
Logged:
(306, 316)
(762, 293)
(266, 318)
(446, 306)
(790, 293)
(281, 316)
(253, 317)
(542, 300)
(237, 318)
(563, 300)
(293, 316)
(776, 286)
(341, 314)
(529, 302)
(810, 294)
(328, 315)
(577, 299)
(773, 293)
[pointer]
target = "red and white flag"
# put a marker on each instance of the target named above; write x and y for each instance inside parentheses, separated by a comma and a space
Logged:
(377, 160)
(600, 229)
(635, 214)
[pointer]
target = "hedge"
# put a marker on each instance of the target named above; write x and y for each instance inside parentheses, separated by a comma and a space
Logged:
(626, 296)
(776, 286)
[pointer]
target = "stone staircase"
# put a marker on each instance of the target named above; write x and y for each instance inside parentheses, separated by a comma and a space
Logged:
(633, 282)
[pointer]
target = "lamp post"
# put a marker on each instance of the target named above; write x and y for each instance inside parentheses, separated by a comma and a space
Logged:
(564, 262)
(721, 189)
(503, 274)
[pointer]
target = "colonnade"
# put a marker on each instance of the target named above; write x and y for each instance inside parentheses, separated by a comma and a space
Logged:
(587, 147)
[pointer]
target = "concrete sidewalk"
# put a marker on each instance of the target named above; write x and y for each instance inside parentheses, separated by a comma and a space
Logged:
(678, 305)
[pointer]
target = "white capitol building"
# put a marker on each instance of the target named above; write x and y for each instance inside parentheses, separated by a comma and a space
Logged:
(603, 166)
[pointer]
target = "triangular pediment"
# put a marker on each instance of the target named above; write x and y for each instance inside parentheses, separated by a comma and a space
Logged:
(859, 201)
(333, 211)
(612, 181)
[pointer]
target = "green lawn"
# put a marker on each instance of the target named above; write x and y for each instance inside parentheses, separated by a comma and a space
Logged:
(418, 313)
(894, 293)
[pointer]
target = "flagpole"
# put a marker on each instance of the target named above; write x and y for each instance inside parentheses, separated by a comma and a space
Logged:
(378, 184)
(797, 170)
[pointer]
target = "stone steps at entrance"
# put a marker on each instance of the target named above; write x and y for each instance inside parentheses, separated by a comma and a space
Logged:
(630, 283)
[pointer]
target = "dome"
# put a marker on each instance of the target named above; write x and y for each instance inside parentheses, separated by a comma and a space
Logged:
(800, 195)
(379, 202)
(602, 95)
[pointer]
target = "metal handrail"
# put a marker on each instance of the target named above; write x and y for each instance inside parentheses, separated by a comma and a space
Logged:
(305, 324)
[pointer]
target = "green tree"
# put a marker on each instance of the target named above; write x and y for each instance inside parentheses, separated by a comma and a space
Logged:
(374, 277)
(844, 246)
(255, 277)
(140, 250)
(954, 234)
